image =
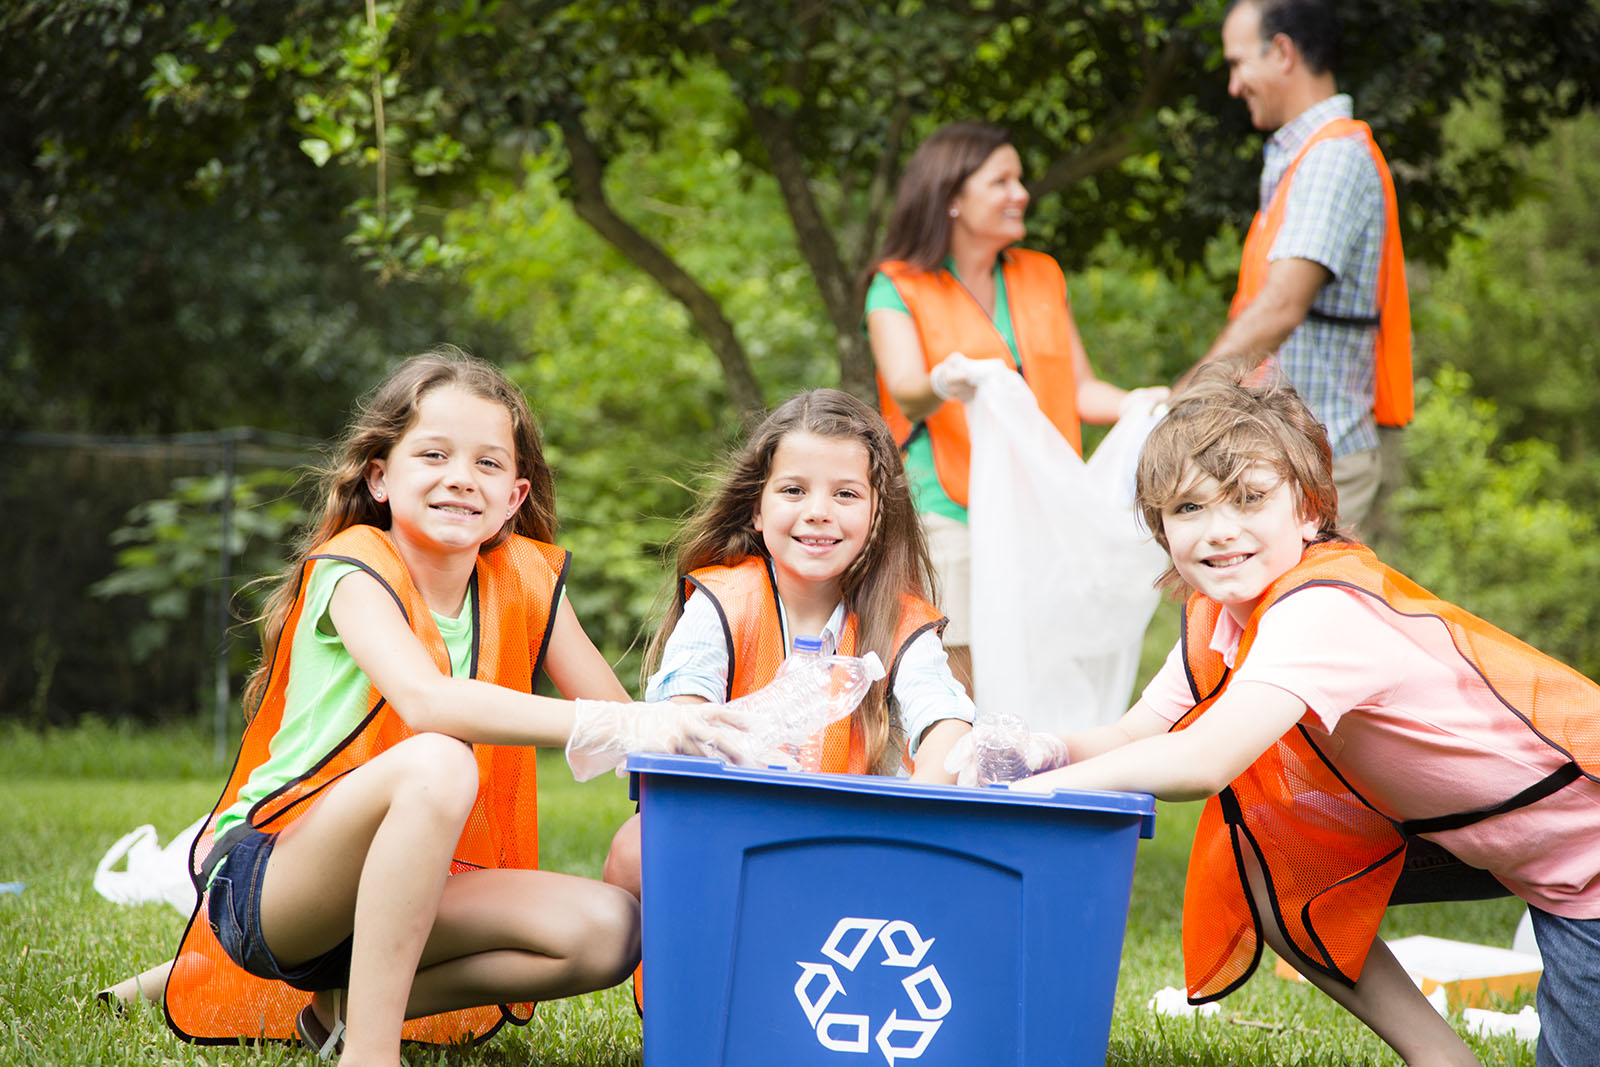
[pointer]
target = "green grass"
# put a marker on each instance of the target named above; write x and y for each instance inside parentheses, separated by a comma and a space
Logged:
(65, 800)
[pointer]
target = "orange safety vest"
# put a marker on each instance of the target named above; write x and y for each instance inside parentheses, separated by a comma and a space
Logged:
(949, 320)
(1392, 400)
(1331, 859)
(746, 598)
(209, 998)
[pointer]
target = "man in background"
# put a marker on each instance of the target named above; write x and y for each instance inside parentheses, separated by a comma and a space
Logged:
(1322, 279)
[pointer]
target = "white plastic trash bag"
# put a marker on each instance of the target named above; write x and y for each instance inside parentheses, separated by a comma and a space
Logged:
(149, 872)
(1062, 570)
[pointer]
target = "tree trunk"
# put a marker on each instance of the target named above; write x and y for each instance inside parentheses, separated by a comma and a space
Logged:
(821, 251)
(586, 172)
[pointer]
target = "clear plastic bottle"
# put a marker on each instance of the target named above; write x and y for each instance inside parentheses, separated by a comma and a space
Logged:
(807, 648)
(810, 692)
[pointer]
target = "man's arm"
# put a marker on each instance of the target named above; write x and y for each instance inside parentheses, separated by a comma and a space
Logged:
(1268, 320)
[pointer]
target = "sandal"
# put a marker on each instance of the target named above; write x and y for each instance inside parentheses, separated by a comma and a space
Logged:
(318, 1038)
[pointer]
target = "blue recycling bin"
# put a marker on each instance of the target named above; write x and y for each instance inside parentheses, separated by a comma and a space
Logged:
(843, 921)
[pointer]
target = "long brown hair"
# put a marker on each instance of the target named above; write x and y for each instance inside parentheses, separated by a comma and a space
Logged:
(893, 562)
(382, 417)
(919, 223)
(1233, 415)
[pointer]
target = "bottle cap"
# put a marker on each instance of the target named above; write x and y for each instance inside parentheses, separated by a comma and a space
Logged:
(806, 643)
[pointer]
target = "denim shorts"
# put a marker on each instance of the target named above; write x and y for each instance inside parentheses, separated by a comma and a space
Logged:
(1569, 989)
(233, 907)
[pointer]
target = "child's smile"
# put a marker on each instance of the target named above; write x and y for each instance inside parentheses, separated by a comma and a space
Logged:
(1231, 549)
(450, 481)
(815, 512)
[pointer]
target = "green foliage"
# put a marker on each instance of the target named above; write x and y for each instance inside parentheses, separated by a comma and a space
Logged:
(172, 551)
(631, 404)
(1479, 530)
(1516, 306)
(1119, 109)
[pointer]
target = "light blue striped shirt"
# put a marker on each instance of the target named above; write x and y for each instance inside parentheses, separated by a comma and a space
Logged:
(1335, 217)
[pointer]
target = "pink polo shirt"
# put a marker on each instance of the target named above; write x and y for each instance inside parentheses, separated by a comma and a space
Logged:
(1418, 733)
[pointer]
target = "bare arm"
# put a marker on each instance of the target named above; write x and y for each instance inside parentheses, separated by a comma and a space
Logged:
(1098, 402)
(575, 666)
(1190, 764)
(897, 351)
(377, 637)
(1268, 320)
(937, 740)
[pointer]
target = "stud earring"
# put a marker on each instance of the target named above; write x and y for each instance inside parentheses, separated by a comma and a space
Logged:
(955, 212)
(380, 496)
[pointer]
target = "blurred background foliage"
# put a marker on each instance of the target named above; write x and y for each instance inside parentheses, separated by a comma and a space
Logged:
(206, 236)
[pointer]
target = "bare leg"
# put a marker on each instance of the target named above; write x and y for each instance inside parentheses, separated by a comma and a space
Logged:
(624, 863)
(505, 936)
(371, 857)
(149, 985)
(1384, 997)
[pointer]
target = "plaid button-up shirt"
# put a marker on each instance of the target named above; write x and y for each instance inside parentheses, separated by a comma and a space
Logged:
(1335, 217)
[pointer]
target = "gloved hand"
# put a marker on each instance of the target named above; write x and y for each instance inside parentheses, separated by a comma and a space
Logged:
(1143, 401)
(605, 732)
(1001, 748)
(956, 377)
(768, 726)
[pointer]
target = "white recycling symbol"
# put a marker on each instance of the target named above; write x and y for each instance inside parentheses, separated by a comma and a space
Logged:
(847, 946)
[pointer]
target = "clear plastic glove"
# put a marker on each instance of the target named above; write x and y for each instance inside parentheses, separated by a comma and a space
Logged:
(809, 694)
(956, 377)
(605, 733)
(1001, 748)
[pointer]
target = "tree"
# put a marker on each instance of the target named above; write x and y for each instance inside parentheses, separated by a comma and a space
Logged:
(1118, 108)
(166, 276)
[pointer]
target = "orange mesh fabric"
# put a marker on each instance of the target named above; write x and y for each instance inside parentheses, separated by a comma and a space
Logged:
(747, 601)
(949, 320)
(210, 999)
(1331, 860)
(1392, 397)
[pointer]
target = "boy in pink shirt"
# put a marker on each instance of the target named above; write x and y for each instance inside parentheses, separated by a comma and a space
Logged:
(1334, 712)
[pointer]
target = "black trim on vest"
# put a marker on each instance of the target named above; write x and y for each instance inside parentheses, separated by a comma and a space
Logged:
(722, 617)
(344, 743)
(1554, 782)
(550, 623)
(918, 429)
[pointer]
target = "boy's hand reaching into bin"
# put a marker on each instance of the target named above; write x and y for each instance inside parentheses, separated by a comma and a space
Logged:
(1001, 748)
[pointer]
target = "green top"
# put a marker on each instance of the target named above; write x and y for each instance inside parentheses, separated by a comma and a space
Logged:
(926, 492)
(327, 692)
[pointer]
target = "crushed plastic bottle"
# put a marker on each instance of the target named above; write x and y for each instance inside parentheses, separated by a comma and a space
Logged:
(806, 648)
(810, 692)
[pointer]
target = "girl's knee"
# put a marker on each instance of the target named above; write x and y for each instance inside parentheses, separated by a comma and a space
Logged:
(623, 860)
(437, 770)
(606, 929)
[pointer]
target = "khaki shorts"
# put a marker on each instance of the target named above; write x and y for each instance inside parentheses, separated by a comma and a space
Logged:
(1356, 477)
(950, 546)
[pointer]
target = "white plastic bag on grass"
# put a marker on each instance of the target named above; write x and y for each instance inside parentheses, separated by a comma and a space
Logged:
(1062, 570)
(149, 872)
